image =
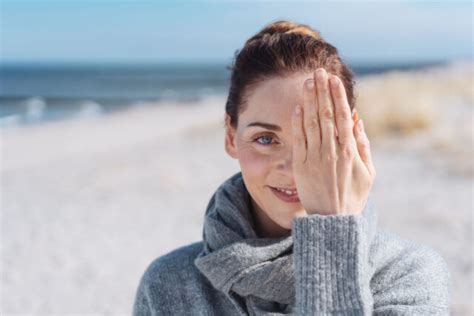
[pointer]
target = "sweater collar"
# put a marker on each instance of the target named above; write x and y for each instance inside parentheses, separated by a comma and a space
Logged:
(252, 272)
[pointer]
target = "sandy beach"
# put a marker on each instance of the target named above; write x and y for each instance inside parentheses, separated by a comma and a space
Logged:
(87, 204)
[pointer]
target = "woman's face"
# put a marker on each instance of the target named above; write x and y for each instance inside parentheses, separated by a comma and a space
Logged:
(265, 152)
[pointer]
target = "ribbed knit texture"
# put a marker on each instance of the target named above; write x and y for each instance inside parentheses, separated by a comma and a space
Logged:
(333, 257)
(329, 265)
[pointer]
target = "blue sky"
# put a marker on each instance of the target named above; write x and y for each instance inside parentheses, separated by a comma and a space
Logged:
(211, 31)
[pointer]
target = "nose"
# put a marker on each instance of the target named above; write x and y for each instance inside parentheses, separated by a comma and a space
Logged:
(286, 161)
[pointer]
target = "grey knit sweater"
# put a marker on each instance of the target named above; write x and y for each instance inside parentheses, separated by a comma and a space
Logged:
(329, 265)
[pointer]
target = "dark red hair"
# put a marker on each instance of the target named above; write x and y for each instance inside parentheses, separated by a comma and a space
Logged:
(281, 49)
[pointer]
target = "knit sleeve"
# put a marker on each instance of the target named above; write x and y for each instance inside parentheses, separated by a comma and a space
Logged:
(331, 265)
(342, 267)
(413, 280)
(142, 304)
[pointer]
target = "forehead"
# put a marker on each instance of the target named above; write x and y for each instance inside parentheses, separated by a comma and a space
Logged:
(273, 99)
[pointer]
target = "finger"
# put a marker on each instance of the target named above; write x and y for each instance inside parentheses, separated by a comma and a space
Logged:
(311, 117)
(355, 118)
(343, 115)
(326, 113)
(363, 147)
(299, 140)
(346, 169)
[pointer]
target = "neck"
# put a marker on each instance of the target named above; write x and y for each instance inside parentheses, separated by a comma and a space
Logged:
(265, 227)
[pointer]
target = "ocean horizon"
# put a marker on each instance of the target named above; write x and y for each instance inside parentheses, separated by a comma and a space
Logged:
(32, 93)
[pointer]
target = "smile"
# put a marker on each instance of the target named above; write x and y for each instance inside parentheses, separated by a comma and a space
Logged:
(287, 191)
(289, 196)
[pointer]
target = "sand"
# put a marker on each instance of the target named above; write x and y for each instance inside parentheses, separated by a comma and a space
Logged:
(87, 204)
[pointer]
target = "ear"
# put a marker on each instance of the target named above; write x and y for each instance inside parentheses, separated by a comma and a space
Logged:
(230, 147)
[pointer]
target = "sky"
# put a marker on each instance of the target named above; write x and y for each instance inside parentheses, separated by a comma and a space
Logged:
(211, 31)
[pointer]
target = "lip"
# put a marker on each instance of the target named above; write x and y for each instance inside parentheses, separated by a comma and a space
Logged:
(282, 196)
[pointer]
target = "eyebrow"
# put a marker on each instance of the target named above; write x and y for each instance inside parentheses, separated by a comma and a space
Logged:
(269, 126)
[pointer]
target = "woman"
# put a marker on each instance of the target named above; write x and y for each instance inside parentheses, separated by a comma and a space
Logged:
(295, 231)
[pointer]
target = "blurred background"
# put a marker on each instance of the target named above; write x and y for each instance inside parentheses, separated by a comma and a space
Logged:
(112, 139)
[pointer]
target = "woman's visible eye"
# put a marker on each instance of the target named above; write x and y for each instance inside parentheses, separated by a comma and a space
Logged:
(266, 140)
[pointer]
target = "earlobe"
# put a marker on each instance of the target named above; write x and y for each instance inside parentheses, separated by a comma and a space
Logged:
(229, 139)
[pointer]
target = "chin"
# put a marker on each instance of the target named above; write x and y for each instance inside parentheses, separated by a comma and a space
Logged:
(287, 225)
(286, 216)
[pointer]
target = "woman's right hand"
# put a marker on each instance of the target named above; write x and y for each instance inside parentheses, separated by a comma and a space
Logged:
(333, 174)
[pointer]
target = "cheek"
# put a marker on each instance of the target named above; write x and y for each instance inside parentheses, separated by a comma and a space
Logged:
(254, 161)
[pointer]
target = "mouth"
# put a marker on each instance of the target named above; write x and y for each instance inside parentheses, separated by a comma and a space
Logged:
(289, 191)
(286, 194)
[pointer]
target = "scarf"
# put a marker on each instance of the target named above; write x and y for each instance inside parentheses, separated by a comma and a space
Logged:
(256, 274)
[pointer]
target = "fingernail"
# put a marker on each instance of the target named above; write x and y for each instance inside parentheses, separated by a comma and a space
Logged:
(320, 73)
(310, 84)
(297, 110)
(355, 116)
(360, 125)
(334, 82)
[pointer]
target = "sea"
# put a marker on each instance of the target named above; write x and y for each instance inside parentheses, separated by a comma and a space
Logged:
(37, 93)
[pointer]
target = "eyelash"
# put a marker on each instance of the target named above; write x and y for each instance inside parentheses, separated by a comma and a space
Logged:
(263, 135)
